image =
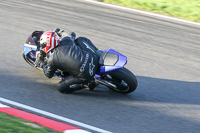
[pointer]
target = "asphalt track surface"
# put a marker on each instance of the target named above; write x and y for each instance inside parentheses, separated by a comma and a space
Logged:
(163, 54)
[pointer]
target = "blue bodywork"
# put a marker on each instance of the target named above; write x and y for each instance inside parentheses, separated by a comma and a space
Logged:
(122, 60)
(29, 48)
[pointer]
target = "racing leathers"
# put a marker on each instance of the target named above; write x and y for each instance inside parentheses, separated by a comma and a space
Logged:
(77, 58)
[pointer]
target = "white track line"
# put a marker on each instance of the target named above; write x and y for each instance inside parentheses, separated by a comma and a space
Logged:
(143, 12)
(2, 106)
(53, 116)
(76, 131)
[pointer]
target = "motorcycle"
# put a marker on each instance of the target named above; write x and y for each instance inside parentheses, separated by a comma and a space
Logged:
(112, 72)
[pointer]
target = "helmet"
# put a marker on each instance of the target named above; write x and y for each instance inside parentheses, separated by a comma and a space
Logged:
(49, 40)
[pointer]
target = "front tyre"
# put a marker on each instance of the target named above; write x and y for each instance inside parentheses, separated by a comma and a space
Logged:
(125, 80)
(29, 61)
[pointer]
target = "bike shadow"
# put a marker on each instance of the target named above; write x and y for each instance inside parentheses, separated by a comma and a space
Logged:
(152, 90)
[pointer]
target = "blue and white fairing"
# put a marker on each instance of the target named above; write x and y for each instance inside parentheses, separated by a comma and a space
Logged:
(29, 49)
(29, 46)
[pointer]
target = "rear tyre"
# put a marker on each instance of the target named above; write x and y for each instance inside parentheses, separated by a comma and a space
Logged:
(125, 81)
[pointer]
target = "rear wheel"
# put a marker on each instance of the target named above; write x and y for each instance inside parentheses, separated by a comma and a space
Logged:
(124, 79)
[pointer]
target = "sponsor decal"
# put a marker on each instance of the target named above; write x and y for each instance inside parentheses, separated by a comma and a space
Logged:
(82, 69)
(91, 67)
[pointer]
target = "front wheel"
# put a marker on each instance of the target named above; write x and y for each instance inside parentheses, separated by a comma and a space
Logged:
(124, 79)
(29, 61)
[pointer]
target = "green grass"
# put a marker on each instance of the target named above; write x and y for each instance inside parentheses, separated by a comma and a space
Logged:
(10, 124)
(185, 9)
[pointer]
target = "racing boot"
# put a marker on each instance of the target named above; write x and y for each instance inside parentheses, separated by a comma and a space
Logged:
(90, 86)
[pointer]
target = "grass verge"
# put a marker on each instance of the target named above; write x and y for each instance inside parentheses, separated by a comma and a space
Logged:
(185, 9)
(11, 124)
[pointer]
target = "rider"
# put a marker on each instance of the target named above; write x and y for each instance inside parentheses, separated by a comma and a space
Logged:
(75, 56)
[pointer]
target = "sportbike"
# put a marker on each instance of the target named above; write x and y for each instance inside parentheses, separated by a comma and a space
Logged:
(111, 74)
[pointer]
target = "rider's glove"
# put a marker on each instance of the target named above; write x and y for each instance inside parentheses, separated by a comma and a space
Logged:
(58, 31)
